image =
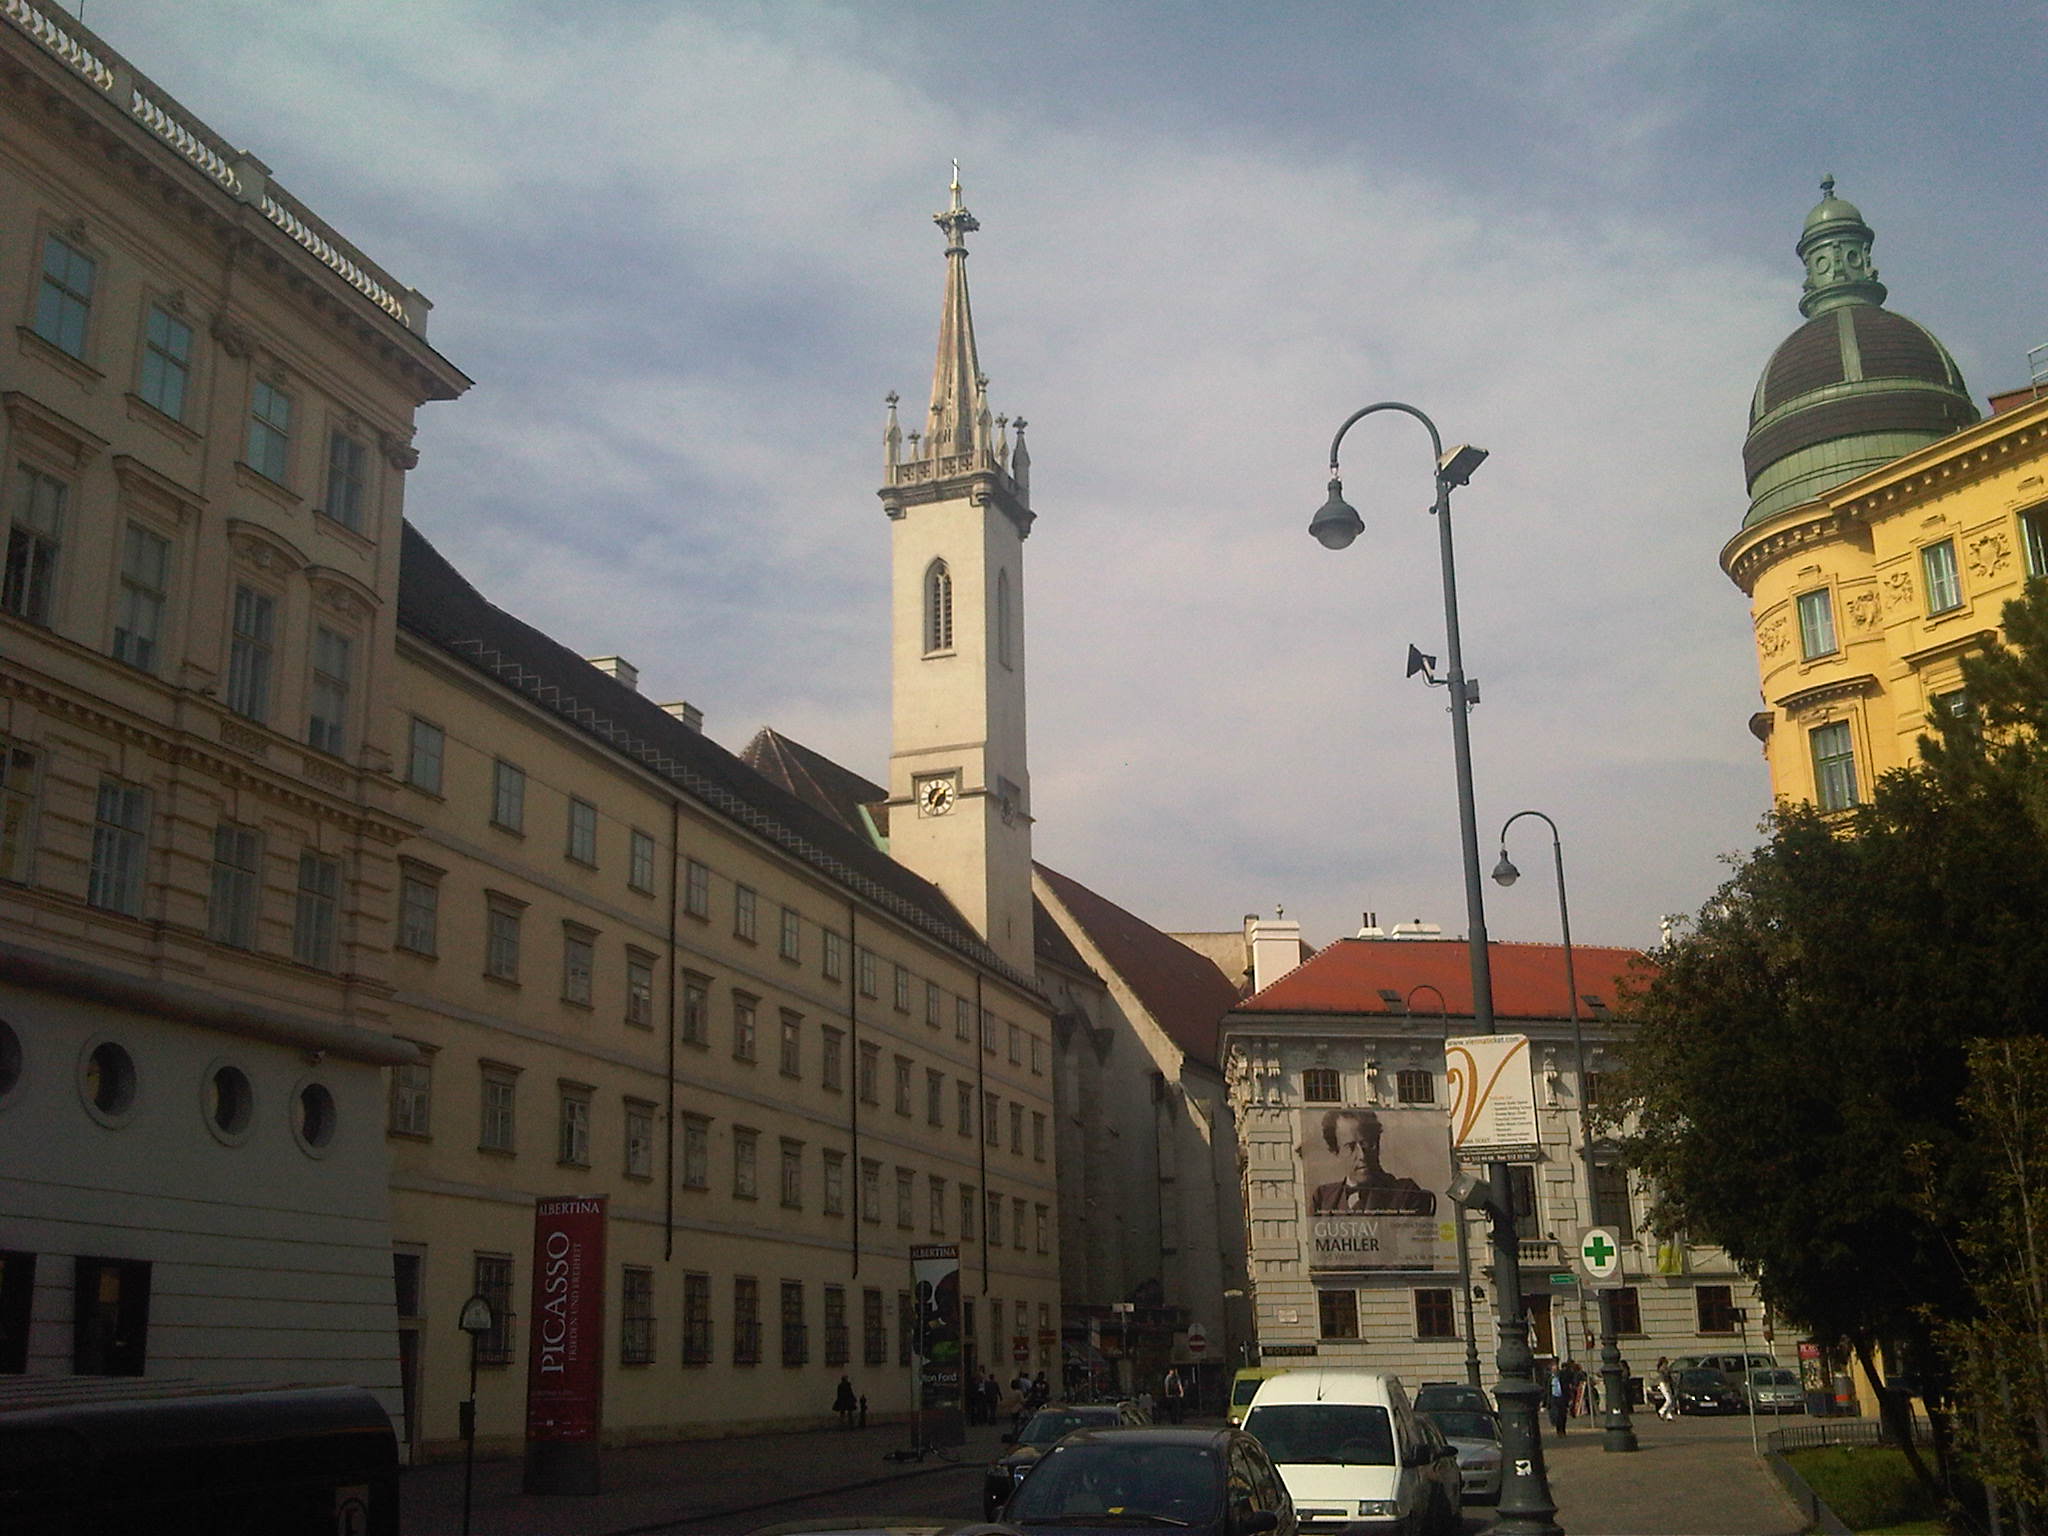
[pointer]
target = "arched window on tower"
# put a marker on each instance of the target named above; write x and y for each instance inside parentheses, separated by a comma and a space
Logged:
(1003, 618)
(938, 608)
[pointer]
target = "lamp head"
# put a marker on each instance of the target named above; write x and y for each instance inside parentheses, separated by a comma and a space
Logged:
(1457, 464)
(477, 1317)
(1470, 1191)
(1505, 873)
(1335, 524)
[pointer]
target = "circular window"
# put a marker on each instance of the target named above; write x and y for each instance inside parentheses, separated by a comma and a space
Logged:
(313, 1117)
(10, 1061)
(106, 1081)
(229, 1100)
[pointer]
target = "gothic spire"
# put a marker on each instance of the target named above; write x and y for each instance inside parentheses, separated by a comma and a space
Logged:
(956, 375)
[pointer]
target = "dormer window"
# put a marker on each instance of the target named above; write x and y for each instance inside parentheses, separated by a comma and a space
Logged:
(938, 608)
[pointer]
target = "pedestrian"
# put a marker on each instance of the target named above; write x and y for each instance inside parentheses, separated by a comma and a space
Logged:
(1041, 1391)
(1175, 1392)
(843, 1403)
(1559, 1400)
(1575, 1385)
(1591, 1392)
(1667, 1390)
(863, 1410)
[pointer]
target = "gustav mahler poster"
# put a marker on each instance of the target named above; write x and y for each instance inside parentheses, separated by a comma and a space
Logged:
(1373, 1184)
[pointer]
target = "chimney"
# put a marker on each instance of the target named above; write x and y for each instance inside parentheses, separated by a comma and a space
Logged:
(1416, 928)
(1276, 949)
(689, 714)
(618, 669)
(1369, 926)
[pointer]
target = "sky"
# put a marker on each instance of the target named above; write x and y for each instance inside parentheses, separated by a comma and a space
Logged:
(685, 251)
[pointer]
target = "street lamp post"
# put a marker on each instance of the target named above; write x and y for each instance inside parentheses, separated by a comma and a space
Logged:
(1526, 1507)
(1618, 1432)
(1443, 1017)
(476, 1320)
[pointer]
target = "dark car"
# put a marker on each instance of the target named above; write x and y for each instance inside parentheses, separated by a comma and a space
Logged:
(1432, 1396)
(1039, 1434)
(1703, 1391)
(1207, 1482)
(1477, 1439)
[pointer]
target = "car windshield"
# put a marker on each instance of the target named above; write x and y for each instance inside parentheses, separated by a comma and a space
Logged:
(1244, 1391)
(1777, 1378)
(1331, 1434)
(1447, 1395)
(1461, 1424)
(1048, 1424)
(1119, 1481)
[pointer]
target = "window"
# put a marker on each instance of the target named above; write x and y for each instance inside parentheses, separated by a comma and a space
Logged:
(145, 585)
(582, 831)
(744, 1010)
(938, 606)
(902, 990)
(2034, 536)
(1017, 1234)
(791, 945)
(1037, 1136)
(501, 939)
(1590, 1089)
(1003, 618)
(874, 1339)
(868, 986)
(934, 1004)
(1434, 1318)
(743, 912)
(33, 538)
(1016, 1039)
(1415, 1085)
(835, 955)
(1611, 1205)
(1834, 766)
(64, 299)
(270, 431)
(319, 899)
(837, 1350)
(870, 1189)
(902, 1085)
(1016, 1128)
(835, 1183)
(1954, 703)
(746, 1181)
(696, 1152)
(992, 1218)
(412, 1098)
(493, 1282)
(1522, 1201)
(1319, 1085)
(636, 1316)
(640, 860)
(963, 1019)
(1037, 1057)
(964, 1106)
(1816, 624)
(166, 362)
(573, 1146)
(796, 1344)
(991, 1119)
(934, 1096)
(906, 1197)
(120, 825)
(639, 989)
(495, 1126)
(17, 803)
(508, 796)
(428, 748)
(870, 1070)
(253, 633)
(746, 1321)
(967, 1208)
(696, 1009)
(1041, 1217)
(639, 1158)
(237, 858)
(1938, 573)
(792, 1044)
(989, 1025)
(696, 1319)
(792, 1174)
(1716, 1308)
(1337, 1314)
(696, 889)
(935, 1204)
(1625, 1309)
(579, 958)
(832, 1058)
(348, 479)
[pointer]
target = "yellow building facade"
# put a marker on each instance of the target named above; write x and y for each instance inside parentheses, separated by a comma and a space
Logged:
(1888, 526)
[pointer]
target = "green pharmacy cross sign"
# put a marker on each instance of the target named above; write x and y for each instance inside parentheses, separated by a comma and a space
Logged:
(1600, 1252)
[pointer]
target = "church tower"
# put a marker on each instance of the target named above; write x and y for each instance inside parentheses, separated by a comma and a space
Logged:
(958, 497)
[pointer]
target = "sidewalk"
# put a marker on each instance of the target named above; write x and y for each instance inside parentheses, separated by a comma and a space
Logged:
(1691, 1477)
(655, 1485)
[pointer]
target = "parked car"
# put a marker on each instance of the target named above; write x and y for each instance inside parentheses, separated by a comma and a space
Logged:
(1204, 1481)
(1773, 1389)
(1476, 1437)
(1703, 1391)
(1732, 1364)
(1244, 1387)
(1353, 1454)
(882, 1525)
(1434, 1395)
(1039, 1434)
(1443, 1512)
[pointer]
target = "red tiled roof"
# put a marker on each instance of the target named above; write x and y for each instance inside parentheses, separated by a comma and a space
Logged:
(1183, 991)
(1528, 979)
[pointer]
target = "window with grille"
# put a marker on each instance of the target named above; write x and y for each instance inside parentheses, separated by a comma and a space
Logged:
(636, 1316)
(493, 1282)
(837, 1345)
(1415, 1085)
(696, 1319)
(1434, 1318)
(1320, 1085)
(746, 1320)
(1337, 1314)
(796, 1335)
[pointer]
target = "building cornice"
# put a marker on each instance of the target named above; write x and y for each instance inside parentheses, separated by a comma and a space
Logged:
(1861, 686)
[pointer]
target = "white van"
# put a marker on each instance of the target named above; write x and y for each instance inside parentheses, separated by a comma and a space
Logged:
(1350, 1451)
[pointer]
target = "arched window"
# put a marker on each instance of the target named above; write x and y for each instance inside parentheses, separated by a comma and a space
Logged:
(1003, 617)
(938, 608)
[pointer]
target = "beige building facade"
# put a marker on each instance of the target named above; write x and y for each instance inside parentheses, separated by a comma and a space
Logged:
(209, 400)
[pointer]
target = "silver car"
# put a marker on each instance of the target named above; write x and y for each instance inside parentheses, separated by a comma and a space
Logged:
(1774, 1390)
(1476, 1438)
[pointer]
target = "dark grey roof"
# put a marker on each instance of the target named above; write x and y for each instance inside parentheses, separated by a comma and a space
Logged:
(437, 605)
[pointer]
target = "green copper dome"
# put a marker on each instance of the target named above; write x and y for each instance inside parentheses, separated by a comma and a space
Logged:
(1856, 386)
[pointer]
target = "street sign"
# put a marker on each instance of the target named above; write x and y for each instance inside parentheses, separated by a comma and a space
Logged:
(1563, 1278)
(1198, 1340)
(1600, 1252)
(1020, 1349)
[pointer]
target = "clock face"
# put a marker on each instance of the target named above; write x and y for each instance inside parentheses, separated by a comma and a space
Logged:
(935, 797)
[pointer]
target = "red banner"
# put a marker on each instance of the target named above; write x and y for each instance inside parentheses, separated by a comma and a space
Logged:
(565, 1356)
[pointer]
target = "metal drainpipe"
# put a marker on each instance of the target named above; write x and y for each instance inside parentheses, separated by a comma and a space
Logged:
(981, 1134)
(675, 864)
